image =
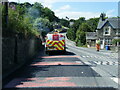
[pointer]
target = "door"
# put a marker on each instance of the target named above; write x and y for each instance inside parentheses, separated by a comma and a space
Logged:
(102, 43)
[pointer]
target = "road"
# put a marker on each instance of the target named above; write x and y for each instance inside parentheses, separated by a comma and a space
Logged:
(104, 62)
(79, 67)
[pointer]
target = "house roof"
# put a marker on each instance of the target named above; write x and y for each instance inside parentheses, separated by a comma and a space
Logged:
(91, 35)
(114, 22)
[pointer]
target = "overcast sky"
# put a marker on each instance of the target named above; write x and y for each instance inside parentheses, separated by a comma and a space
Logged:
(79, 8)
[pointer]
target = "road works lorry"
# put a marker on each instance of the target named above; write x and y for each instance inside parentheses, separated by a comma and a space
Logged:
(55, 42)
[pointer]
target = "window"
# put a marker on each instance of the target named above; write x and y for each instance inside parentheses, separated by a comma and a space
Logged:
(101, 41)
(118, 32)
(108, 41)
(55, 37)
(107, 30)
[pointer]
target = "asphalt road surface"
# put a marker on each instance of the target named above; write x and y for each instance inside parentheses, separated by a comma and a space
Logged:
(78, 67)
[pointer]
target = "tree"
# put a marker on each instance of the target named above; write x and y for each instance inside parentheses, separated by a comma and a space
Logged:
(80, 34)
(80, 38)
(71, 34)
(42, 24)
(49, 14)
(64, 22)
(18, 24)
(84, 27)
(35, 11)
(27, 5)
(78, 23)
(93, 22)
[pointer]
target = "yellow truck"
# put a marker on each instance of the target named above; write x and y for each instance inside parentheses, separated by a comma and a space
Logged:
(55, 42)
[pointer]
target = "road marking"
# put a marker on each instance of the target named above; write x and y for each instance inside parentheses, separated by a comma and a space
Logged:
(97, 62)
(83, 56)
(115, 80)
(87, 63)
(107, 57)
(56, 63)
(78, 62)
(58, 56)
(101, 63)
(41, 82)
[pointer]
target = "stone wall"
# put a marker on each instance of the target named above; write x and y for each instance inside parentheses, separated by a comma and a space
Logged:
(8, 47)
(18, 51)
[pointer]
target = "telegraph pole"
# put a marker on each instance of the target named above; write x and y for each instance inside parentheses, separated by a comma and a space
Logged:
(5, 4)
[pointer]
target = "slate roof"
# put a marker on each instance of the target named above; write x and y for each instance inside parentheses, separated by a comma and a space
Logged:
(114, 22)
(91, 35)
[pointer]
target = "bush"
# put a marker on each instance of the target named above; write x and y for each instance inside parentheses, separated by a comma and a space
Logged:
(80, 37)
(19, 24)
(71, 34)
(114, 41)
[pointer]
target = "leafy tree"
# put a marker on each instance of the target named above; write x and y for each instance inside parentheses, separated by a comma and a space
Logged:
(35, 11)
(78, 23)
(42, 24)
(84, 27)
(115, 41)
(80, 38)
(49, 14)
(18, 24)
(71, 34)
(80, 34)
(72, 20)
(64, 22)
(27, 5)
(79, 28)
(93, 22)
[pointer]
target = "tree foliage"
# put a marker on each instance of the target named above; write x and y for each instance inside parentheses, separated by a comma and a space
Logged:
(93, 22)
(49, 14)
(42, 24)
(78, 23)
(80, 39)
(18, 24)
(71, 34)
(22, 18)
(115, 41)
(79, 29)
(84, 27)
(64, 22)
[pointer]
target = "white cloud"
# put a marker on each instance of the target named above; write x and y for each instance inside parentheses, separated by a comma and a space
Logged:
(110, 13)
(48, 3)
(87, 15)
(76, 15)
(66, 10)
(66, 7)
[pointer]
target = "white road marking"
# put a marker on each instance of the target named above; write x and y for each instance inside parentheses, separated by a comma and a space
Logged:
(100, 57)
(87, 63)
(101, 63)
(115, 80)
(78, 61)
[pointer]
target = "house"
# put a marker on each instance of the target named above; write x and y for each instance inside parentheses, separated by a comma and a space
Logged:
(91, 39)
(108, 30)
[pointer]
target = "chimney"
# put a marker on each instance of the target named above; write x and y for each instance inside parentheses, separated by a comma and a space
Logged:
(102, 16)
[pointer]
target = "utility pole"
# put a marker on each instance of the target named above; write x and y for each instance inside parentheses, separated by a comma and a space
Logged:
(5, 3)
